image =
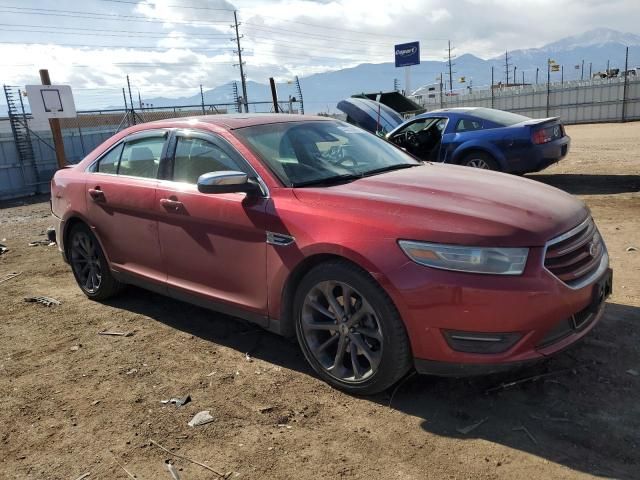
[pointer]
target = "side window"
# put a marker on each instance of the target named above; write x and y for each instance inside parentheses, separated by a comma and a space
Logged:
(141, 158)
(467, 125)
(195, 156)
(109, 162)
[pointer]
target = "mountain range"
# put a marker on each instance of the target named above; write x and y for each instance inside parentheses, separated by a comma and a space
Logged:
(322, 91)
(596, 48)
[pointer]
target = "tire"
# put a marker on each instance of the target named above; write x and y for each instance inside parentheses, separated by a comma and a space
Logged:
(371, 336)
(89, 265)
(480, 160)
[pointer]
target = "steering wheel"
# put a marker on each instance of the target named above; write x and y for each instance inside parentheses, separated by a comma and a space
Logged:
(336, 156)
(411, 138)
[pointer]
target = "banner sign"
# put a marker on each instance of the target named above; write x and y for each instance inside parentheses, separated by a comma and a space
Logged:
(408, 54)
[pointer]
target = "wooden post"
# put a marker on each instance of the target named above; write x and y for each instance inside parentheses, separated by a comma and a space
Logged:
(274, 95)
(54, 124)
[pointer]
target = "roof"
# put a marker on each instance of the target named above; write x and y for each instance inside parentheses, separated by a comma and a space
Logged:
(239, 120)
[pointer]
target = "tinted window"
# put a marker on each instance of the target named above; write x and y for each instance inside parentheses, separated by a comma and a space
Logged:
(195, 156)
(305, 152)
(141, 158)
(109, 163)
(498, 116)
(467, 124)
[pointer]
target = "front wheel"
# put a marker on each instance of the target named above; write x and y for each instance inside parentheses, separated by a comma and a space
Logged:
(349, 330)
(89, 265)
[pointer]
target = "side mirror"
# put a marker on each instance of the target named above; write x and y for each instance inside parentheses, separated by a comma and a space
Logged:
(226, 182)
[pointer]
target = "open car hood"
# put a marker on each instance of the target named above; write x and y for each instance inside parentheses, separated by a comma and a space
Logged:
(371, 115)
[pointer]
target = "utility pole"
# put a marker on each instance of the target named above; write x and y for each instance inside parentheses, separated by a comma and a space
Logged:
(582, 71)
(507, 66)
(139, 100)
(492, 93)
(441, 99)
(548, 83)
(523, 77)
(590, 70)
(537, 71)
(450, 72)
(240, 63)
(561, 74)
(625, 87)
(133, 113)
(202, 99)
(54, 124)
(515, 79)
(607, 68)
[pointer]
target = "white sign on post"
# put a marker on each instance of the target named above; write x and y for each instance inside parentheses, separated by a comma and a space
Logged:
(51, 101)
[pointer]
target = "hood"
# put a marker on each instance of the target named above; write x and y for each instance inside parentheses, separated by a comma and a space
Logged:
(371, 115)
(454, 205)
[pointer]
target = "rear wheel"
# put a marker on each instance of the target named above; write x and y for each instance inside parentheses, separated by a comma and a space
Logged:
(480, 160)
(89, 265)
(349, 330)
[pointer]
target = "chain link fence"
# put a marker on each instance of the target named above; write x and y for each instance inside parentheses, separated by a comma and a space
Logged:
(22, 175)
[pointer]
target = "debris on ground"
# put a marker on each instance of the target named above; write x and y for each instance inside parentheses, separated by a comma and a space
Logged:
(266, 409)
(3, 248)
(47, 301)
(524, 429)
(95, 402)
(247, 357)
(75, 348)
(221, 475)
(83, 476)
(131, 475)
(633, 372)
(533, 378)
(201, 418)
(178, 401)
(46, 243)
(632, 249)
(172, 470)
(472, 427)
(9, 276)
(116, 334)
(132, 371)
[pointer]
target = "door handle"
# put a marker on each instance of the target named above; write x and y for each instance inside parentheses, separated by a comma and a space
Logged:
(97, 195)
(169, 204)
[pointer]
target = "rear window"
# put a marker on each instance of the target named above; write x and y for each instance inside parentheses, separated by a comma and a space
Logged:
(498, 116)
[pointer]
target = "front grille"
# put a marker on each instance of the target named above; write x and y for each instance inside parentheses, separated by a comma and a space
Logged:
(575, 256)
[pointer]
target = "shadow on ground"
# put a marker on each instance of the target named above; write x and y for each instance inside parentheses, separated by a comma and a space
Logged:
(590, 184)
(586, 418)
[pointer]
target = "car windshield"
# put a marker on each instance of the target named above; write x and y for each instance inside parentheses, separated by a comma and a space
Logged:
(505, 119)
(317, 152)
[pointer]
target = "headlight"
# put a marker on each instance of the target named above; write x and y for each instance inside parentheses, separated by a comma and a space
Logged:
(499, 261)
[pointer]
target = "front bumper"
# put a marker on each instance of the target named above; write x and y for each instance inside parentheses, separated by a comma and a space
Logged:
(533, 305)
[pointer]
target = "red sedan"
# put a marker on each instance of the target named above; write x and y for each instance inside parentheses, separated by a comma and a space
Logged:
(312, 227)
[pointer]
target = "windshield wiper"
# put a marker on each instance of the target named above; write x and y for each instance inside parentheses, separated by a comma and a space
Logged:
(347, 177)
(390, 168)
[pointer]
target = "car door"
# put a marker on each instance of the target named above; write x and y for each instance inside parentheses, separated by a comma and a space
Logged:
(213, 245)
(121, 189)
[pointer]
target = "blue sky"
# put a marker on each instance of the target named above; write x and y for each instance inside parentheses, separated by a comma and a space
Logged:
(170, 47)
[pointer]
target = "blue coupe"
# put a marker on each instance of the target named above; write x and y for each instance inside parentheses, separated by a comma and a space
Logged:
(475, 137)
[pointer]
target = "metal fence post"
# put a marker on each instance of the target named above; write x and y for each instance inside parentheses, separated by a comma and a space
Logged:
(625, 86)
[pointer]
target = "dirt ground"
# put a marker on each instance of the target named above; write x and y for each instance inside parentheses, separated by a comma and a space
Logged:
(75, 402)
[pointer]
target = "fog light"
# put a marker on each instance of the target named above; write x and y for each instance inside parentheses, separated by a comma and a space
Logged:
(475, 342)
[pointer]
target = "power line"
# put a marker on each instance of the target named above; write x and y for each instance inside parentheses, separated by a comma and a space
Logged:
(92, 33)
(207, 35)
(81, 45)
(102, 16)
(170, 6)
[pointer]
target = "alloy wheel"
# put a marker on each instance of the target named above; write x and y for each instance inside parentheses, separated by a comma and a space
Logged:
(478, 163)
(85, 262)
(342, 331)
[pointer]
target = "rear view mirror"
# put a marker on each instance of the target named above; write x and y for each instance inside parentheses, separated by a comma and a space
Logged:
(226, 182)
